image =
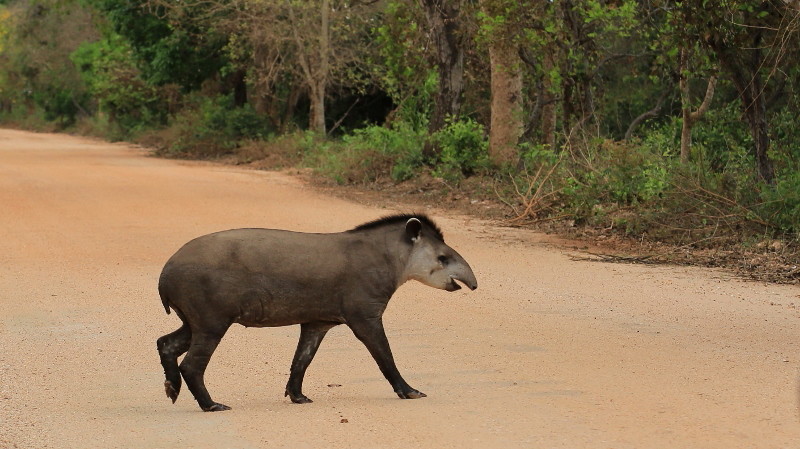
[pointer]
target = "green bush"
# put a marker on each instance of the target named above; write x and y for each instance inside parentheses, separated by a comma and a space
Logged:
(368, 154)
(614, 174)
(122, 97)
(721, 141)
(781, 203)
(463, 149)
(211, 127)
(401, 143)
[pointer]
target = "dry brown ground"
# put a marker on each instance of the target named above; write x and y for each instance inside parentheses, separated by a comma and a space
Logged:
(548, 352)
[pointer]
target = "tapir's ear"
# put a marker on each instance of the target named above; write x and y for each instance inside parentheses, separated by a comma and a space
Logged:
(413, 229)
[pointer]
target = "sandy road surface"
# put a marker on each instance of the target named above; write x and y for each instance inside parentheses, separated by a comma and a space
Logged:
(547, 353)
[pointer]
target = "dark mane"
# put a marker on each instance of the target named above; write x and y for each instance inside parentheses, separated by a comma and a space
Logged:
(401, 218)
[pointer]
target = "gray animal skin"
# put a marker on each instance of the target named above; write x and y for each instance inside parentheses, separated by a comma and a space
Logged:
(268, 277)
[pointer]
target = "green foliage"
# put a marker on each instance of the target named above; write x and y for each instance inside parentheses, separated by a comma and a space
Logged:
(369, 154)
(615, 175)
(786, 135)
(116, 85)
(402, 69)
(5, 27)
(60, 104)
(37, 78)
(212, 127)
(402, 143)
(372, 153)
(181, 50)
(781, 203)
(463, 149)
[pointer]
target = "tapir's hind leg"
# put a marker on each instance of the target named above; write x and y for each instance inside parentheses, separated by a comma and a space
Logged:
(311, 335)
(193, 367)
(170, 347)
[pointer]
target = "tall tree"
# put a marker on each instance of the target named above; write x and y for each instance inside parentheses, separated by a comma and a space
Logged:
(501, 30)
(750, 40)
(312, 40)
(567, 45)
(327, 43)
(308, 42)
(444, 26)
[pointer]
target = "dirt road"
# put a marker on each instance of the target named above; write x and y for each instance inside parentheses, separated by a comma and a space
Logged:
(547, 353)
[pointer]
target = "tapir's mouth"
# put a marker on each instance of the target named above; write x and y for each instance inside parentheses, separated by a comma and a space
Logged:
(452, 285)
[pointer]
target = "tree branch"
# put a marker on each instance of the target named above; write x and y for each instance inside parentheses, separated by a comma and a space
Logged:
(712, 83)
(645, 115)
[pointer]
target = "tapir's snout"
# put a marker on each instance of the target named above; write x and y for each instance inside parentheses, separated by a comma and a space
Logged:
(472, 284)
(462, 272)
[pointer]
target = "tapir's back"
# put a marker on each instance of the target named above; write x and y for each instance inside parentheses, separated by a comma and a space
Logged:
(262, 277)
(265, 250)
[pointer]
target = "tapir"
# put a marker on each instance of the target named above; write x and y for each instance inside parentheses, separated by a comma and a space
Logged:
(269, 277)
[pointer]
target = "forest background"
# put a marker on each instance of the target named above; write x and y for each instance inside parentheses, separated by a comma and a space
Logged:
(657, 120)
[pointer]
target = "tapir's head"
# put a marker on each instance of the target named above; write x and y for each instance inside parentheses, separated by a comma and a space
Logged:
(434, 263)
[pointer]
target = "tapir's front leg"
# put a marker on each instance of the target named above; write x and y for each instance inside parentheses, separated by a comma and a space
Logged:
(370, 332)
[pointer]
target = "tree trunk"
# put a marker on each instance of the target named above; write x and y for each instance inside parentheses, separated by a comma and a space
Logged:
(443, 21)
(291, 106)
(567, 107)
(749, 85)
(755, 112)
(321, 77)
(544, 111)
(549, 107)
(316, 114)
(691, 117)
(239, 88)
(315, 65)
(759, 129)
(506, 114)
(686, 134)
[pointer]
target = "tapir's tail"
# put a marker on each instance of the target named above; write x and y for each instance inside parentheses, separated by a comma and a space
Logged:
(166, 305)
(162, 292)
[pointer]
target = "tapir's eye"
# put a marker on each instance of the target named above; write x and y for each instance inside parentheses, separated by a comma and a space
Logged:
(443, 260)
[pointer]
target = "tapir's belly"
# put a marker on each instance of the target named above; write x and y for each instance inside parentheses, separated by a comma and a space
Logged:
(257, 300)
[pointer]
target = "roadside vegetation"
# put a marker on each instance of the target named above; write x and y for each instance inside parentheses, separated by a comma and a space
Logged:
(667, 127)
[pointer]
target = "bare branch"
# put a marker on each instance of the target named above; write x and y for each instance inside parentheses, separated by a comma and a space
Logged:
(645, 115)
(712, 83)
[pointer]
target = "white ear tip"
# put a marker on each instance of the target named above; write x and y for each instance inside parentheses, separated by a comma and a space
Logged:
(413, 228)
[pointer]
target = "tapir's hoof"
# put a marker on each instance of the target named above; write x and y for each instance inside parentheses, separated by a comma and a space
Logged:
(298, 398)
(411, 394)
(216, 408)
(172, 393)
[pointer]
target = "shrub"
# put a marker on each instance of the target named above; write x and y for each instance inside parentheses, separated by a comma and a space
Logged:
(368, 154)
(613, 174)
(781, 203)
(533, 191)
(402, 144)
(125, 100)
(463, 149)
(212, 127)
